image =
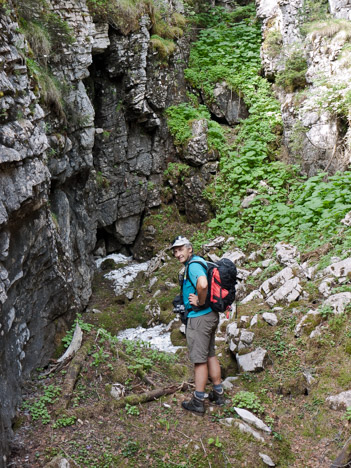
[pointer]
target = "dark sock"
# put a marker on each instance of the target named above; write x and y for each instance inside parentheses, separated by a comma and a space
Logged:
(218, 388)
(199, 395)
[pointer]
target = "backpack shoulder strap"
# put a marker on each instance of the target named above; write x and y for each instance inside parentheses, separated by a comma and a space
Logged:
(187, 268)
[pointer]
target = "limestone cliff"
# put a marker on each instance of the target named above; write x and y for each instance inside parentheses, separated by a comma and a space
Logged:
(305, 51)
(75, 169)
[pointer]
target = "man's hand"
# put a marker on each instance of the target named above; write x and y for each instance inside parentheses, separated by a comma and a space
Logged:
(194, 300)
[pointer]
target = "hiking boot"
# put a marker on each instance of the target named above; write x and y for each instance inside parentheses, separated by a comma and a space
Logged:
(195, 405)
(216, 398)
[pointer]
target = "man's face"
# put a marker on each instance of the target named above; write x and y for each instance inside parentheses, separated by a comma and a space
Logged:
(182, 253)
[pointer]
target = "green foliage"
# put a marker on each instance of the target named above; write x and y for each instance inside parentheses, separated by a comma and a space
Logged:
(293, 76)
(39, 408)
(273, 43)
(123, 15)
(176, 171)
(180, 119)
(132, 410)
(215, 442)
(65, 421)
(66, 340)
(326, 311)
(348, 414)
(249, 401)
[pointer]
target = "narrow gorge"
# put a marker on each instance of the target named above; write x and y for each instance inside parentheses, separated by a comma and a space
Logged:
(125, 123)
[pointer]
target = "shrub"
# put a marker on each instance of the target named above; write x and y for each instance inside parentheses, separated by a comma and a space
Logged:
(164, 47)
(294, 75)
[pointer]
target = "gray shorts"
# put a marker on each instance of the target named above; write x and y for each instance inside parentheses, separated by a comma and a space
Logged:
(200, 337)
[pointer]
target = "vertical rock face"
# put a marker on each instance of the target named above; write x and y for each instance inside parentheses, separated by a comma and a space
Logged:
(316, 127)
(130, 90)
(71, 177)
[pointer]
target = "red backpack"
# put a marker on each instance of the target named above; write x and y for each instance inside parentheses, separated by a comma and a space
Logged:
(221, 277)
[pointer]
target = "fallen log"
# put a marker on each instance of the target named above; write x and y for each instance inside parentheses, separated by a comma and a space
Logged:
(72, 374)
(108, 405)
(136, 399)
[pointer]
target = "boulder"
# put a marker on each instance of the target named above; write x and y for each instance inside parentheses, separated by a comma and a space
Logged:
(270, 318)
(227, 105)
(287, 254)
(289, 292)
(342, 401)
(252, 362)
(309, 321)
(236, 256)
(338, 302)
(339, 269)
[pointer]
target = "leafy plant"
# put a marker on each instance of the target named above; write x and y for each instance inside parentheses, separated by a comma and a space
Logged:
(132, 410)
(249, 401)
(294, 74)
(215, 442)
(65, 421)
(39, 409)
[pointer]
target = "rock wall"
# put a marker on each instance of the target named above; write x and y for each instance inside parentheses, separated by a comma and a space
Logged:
(72, 180)
(316, 127)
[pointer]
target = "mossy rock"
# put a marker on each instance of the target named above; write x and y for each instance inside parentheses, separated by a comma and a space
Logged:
(294, 386)
(178, 372)
(166, 316)
(177, 338)
(311, 322)
(120, 372)
(108, 264)
(226, 361)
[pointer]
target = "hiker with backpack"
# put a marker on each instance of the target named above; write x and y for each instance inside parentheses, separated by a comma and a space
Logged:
(201, 325)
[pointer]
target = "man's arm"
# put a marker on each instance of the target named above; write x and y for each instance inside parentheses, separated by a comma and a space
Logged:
(201, 288)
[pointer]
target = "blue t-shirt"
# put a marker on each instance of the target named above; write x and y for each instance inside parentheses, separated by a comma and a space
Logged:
(194, 271)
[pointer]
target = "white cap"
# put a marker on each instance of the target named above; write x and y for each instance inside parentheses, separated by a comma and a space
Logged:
(180, 240)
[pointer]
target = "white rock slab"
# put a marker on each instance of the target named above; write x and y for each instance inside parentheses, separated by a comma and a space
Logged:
(236, 256)
(218, 242)
(341, 401)
(288, 293)
(247, 337)
(256, 272)
(338, 302)
(243, 274)
(287, 254)
(270, 318)
(266, 459)
(252, 296)
(244, 320)
(243, 427)
(254, 320)
(276, 281)
(325, 286)
(339, 269)
(302, 323)
(232, 330)
(250, 418)
(252, 362)
(347, 219)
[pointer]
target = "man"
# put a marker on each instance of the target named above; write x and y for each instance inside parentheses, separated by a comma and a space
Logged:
(201, 328)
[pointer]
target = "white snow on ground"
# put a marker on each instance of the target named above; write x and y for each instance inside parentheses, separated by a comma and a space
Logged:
(158, 337)
(123, 276)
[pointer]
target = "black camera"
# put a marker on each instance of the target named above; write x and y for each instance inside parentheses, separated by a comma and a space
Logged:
(178, 308)
(178, 305)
